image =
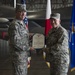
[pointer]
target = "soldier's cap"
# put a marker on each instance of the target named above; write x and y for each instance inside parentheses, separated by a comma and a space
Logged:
(21, 7)
(55, 16)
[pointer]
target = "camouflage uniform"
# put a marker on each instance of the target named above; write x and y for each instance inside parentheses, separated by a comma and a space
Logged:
(57, 43)
(19, 46)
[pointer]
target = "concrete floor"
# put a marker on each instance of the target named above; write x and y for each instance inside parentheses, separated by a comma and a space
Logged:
(38, 64)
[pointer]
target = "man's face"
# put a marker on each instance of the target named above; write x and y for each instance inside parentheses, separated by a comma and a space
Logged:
(55, 22)
(21, 15)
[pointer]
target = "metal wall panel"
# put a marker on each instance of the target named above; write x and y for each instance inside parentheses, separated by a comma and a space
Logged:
(4, 48)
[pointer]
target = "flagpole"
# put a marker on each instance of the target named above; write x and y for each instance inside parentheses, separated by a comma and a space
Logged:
(47, 27)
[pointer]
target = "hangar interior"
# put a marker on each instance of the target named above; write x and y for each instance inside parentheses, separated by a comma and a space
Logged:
(36, 12)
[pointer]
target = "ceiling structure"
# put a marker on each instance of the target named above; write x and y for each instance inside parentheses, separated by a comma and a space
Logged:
(41, 4)
(36, 10)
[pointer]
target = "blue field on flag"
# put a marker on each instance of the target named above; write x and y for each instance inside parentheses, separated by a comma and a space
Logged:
(72, 37)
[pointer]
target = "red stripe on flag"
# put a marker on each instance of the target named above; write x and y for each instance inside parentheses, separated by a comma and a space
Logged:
(48, 26)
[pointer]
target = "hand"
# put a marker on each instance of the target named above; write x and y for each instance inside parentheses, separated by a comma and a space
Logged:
(31, 48)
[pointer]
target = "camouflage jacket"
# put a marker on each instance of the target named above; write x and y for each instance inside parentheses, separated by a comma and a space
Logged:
(18, 35)
(57, 42)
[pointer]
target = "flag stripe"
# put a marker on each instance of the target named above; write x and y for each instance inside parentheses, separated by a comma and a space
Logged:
(47, 22)
(48, 26)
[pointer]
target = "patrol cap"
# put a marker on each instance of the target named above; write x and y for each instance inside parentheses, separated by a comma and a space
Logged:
(55, 16)
(21, 7)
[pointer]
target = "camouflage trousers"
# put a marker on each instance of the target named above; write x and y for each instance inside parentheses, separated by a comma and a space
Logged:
(59, 65)
(19, 63)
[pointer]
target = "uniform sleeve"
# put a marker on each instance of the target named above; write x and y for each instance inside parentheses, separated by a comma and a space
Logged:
(18, 41)
(62, 41)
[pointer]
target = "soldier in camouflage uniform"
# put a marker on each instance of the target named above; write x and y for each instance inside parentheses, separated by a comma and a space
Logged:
(19, 41)
(57, 44)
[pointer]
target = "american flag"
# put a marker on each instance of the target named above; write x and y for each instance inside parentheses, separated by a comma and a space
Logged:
(26, 21)
(23, 1)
